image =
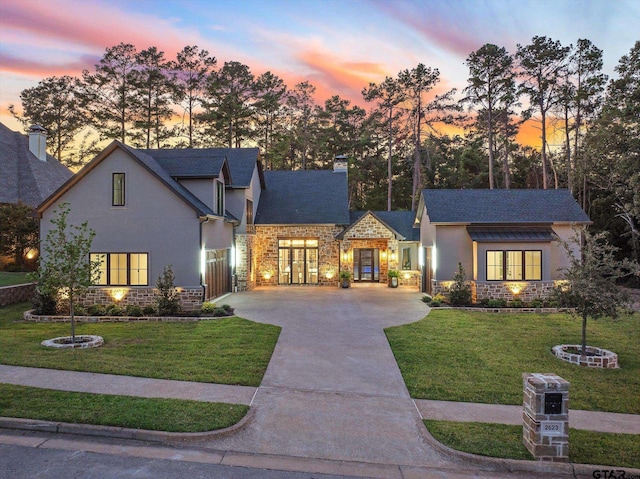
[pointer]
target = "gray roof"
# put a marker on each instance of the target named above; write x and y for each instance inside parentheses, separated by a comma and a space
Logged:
(400, 221)
(188, 163)
(502, 206)
(507, 235)
(22, 176)
(304, 197)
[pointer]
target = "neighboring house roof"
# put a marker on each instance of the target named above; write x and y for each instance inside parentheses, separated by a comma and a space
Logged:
(501, 206)
(399, 222)
(304, 197)
(146, 161)
(23, 177)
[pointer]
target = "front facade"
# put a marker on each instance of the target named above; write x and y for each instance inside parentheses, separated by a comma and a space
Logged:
(225, 225)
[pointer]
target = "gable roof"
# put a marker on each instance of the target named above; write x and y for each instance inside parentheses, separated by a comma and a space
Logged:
(25, 178)
(501, 206)
(304, 197)
(147, 162)
(190, 163)
(400, 223)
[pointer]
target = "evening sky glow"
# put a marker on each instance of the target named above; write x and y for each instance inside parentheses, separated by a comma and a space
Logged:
(338, 46)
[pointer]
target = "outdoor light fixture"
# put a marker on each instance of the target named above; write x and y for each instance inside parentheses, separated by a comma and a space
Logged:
(407, 276)
(384, 254)
(516, 288)
(329, 274)
(267, 275)
(117, 294)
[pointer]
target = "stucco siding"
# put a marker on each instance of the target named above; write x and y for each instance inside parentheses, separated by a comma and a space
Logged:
(154, 220)
(559, 257)
(453, 245)
(202, 188)
(217, 234)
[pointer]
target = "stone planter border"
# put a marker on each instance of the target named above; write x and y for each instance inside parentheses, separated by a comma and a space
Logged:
(604, 358)
(35, 318)
(89, 341)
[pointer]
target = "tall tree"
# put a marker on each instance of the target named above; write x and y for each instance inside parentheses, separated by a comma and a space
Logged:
(228, 111)
(55, 105)
(416, 83)
(192, 66)
(301, 107)
(614, 141)
(155, 85)
(110, 93)
(271, 94)
(389, 95)
(541, 64)
(18, 232)
(491, 86)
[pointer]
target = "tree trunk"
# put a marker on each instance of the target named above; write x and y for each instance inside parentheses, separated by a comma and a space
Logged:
(544, 147)
(584, 333)
(73, 323)
(490, 134)
(389, 169)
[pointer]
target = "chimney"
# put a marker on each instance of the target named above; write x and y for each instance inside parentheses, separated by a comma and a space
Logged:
(38, 142)
(340, 164)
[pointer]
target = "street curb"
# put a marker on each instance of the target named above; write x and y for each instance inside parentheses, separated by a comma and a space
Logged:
(518, 465)
(116, 432)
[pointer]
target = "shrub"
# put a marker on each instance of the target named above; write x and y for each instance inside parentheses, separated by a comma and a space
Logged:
(426, 298)
(149, 310)
(133, 310)
(536, 303)
(208, 308)
(167, 297)
(460, 291)
(96, 310)
(393, 273)
(114, 310)
(516, 303)
(44, 303)
(496, 303)
(79, 310)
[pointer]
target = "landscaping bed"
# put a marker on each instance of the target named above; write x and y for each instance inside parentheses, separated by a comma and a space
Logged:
(454, 355)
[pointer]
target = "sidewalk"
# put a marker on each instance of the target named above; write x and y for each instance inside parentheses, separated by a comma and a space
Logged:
(162, 388)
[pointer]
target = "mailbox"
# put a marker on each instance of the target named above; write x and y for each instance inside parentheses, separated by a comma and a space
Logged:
(553, 403)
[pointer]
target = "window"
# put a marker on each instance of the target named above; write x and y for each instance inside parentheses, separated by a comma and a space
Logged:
(406, 258)
(117, 189)
(249, 212)
(219, 198)
(298, 261)
(514, 265)
(122, 269)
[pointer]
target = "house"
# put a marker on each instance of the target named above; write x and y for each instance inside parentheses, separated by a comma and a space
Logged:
(224, 224)
(28, 173)
(508, 241)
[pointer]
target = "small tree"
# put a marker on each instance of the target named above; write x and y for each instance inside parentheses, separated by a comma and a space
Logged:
(167, 297)
(460, 291)
(65, 265)
(590, 280)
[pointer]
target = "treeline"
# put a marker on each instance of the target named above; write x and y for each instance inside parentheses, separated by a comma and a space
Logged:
(398, 145)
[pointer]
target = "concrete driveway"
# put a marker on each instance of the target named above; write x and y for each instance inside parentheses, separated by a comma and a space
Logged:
(333, 389)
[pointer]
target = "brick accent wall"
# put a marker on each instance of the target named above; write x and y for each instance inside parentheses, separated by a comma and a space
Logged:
(525, 290)
(17, 294)
(190, 298)
(246, 262)
(265, 251)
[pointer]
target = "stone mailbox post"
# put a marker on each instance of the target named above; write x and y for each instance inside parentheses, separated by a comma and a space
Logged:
(546, 416)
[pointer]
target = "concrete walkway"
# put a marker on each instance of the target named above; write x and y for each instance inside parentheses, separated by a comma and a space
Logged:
(332, 391)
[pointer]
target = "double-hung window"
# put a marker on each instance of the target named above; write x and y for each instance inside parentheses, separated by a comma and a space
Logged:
(118, 189)
(514, 265)
(122, 269)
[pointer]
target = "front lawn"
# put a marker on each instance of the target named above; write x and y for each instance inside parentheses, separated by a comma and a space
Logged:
(10, 279)
(155, 414)
(226, 351)
(501, 440)
(468, 356)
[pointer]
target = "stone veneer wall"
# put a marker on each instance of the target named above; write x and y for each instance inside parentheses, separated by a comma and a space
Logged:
(17, 294)
(413, 279)
(266, 251)
(190, 298)
(245, 262)
(529, 290)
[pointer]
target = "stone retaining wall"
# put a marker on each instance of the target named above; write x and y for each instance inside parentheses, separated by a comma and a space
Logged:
(35, 318)
(190, 298)
(527, 291)
(17, 294)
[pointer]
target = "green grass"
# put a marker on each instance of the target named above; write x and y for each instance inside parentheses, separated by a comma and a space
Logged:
(505, 441)
(9, 279)
(123, 411)
(478, 357)
(226, 351)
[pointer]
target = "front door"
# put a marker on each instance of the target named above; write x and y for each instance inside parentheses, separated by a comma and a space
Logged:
(366, 264)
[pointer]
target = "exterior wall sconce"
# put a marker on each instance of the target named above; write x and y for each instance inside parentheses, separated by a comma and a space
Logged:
(329, 274)
(407, 276)
(384, 254)
(393, 255)
(267, 275)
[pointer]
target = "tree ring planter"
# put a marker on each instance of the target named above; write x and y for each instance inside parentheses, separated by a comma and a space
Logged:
(594, 357)
(82, 341)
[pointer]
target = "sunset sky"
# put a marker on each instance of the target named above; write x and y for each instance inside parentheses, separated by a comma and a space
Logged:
(339, 46)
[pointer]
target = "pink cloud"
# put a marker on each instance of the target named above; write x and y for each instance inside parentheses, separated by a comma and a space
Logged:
(38, 69)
